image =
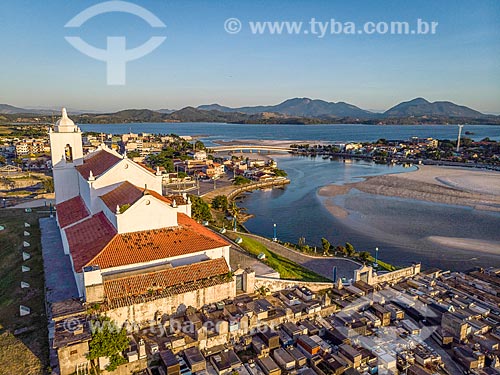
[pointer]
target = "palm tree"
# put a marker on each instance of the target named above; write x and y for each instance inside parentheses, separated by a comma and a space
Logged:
(234, 211)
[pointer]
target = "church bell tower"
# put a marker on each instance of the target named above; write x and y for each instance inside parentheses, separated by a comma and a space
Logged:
(67, 153)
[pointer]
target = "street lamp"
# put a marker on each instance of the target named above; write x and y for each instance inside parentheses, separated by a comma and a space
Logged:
(275, 238)
(376, 256)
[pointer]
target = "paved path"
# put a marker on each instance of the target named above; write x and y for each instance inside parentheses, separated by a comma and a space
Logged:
(319, 264)
(36, 203)
(59, 279)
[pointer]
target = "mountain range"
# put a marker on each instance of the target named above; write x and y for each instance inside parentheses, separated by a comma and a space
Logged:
(296, 110)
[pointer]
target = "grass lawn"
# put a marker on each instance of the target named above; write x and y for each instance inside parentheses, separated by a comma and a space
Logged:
(286, 268)
(26, 353)
(382, 265)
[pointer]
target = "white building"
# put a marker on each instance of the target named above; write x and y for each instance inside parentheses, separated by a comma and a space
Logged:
(127, 241)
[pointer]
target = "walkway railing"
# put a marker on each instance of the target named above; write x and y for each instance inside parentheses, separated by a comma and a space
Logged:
(257, 185)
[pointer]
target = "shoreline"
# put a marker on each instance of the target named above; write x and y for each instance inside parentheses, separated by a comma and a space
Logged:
(477, 189)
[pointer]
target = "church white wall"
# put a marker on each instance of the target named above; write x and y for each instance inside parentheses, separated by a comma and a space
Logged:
(111, 216)
(84, 189)
(58, 142)
(147, 213)
(65, 242)
(127, 170)
(65, 182)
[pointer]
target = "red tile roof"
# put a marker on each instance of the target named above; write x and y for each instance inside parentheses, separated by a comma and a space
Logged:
(98, 163)
(142, 284)
(87, 239)
(71, 211)
(125, 193)
(145, 246)
(186, 222)
(146, 167)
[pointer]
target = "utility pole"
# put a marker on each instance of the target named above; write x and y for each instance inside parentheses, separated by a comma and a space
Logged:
(459, 136)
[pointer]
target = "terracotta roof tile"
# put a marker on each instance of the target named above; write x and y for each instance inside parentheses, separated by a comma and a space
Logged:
(141, 284)
(145, 167)
(87, 238)
(98, 163)
(125, 193)
(71, 211)
(186, 222)
(145, 246)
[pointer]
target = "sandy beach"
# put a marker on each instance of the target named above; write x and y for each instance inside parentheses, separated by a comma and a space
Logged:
(455, 186)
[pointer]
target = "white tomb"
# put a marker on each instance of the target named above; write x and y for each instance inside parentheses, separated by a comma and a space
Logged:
(25, 268)
(24, 285)
(24, 310)
(26, 255)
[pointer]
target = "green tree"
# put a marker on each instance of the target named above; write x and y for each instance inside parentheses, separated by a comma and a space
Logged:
(279, 172)
(326, 245)
(200, 210)
(341, 250)
(220, 203)
(133, 154)
(199, 145)
(108, 340)
(240, 180)
(364, 256)
(48, 185)
(350, 251)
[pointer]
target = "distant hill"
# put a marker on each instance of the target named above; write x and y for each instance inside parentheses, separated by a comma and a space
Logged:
(421, 107)
(10, 109)
(164, 110)
(291, 111)
(301, 107)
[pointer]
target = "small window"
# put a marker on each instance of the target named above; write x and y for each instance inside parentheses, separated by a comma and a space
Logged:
(68, 152)
(73, 352)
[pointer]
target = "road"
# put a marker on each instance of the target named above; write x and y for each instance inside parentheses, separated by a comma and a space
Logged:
(319, 264)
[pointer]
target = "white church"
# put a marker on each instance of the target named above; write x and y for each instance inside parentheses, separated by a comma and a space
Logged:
(133, 251)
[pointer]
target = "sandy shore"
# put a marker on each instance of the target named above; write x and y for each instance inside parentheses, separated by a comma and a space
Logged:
(454, 186)
(488, 247)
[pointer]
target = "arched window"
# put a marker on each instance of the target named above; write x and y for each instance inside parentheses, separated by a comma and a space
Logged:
(68, 152)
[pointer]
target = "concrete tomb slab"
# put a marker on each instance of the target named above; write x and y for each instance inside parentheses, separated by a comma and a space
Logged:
(24, 310)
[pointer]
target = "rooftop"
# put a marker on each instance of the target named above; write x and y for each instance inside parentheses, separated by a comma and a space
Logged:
(142, 284)
(94, 241)
(146, 246)
(71, 211)
(98, 163)
(88, 238)
(127, 193)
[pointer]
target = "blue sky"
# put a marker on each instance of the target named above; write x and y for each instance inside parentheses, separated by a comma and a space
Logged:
(200, 63)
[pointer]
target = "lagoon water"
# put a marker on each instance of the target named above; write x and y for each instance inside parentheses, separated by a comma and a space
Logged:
(398, 227)
(327, 133)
